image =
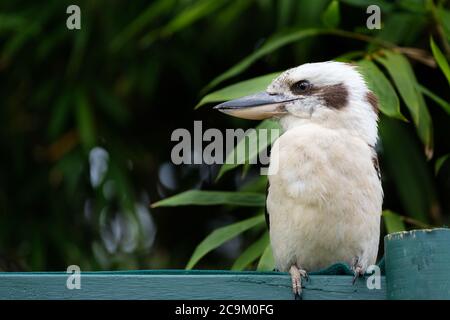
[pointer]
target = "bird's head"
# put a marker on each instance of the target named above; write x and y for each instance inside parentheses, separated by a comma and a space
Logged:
(331, 94)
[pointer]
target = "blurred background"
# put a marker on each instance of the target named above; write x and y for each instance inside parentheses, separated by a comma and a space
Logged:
(86, 118)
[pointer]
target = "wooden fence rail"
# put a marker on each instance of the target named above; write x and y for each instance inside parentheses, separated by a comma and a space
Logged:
(417, 266)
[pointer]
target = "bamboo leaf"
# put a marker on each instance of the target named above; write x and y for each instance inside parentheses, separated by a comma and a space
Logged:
(209, 198)
(440, 59)
(270, 46)
(78, 50)
(350, 56)
(10, 22)
(331, 17)
(384, 5)
(393, 222)
(154, 10)
(438, 100)
(444, 19)
(255, 250)
(111, 106)
(222, 235)
(239, 89)
(406, 165)
(276, 42)
(257, 184)
(60, 115)
(439, 162)
(266, 263)
(85, 121)
(380, 85)
(285, 8)
(190, 14)
(403, 76)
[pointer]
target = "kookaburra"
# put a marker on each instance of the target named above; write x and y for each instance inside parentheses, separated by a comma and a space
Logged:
(325, 197)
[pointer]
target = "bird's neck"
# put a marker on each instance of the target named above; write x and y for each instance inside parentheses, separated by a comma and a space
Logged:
(365, 129)
(288, 122)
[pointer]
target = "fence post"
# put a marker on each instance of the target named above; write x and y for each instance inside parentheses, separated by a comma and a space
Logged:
(418, 264)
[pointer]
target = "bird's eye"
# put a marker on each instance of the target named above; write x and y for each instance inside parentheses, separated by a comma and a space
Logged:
(301, 87)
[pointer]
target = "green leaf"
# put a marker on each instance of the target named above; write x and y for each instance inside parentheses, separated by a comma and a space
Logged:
(122, 184)
(31, 30)
(222, 235)
(255, 250)
(209, 198)
(393, 222)
(266, 263)
(271, 45)
(285, 8)
(438, 100)
(197, 10)
(189, 15)
(401, 28)
(278, 41)
(111, 105)
(403, 76)
(147, 16)
(406, 165)
(440, 59)
(10, 22)
(380, 85)
(257, 184)
(439, 162)
(69, 166)
(80, 43)
(417, 6)
(60, 115)
(229, 14)
(350, 56)
(239, 89)
(241, 154)
(384, 5)
(85, 121)
(444, 19)
(331, 17)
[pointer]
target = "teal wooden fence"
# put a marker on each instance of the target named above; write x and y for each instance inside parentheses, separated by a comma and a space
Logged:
(180, 285)
(417, 266)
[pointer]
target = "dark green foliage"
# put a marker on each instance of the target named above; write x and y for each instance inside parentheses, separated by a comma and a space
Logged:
(109, 95)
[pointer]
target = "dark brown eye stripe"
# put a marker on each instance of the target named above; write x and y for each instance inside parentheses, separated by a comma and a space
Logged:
(335, 96)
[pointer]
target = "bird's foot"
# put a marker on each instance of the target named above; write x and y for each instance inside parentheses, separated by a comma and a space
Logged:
(296, 275)
(358, 270)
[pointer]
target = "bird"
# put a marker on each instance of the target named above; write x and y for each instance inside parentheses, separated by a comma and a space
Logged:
(324, 198)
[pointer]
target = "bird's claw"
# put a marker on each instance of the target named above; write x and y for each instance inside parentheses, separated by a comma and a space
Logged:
(356, 276)
(357, 270)
(296, 275)
(304, 275)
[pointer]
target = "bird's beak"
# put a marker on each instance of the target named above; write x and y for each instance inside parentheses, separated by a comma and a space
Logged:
(256, 106)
